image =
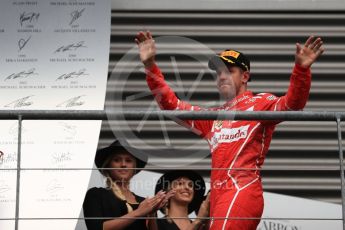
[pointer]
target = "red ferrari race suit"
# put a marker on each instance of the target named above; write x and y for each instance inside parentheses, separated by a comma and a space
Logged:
(236, 194)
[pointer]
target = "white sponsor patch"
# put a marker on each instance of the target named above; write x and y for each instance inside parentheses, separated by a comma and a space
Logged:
(271, 98)
(227, 135)
(250, 109)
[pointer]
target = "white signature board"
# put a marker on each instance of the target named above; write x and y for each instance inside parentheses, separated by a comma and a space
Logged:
(54, 56)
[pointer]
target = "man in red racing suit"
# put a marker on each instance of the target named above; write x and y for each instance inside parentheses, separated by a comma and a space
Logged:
(238, 146)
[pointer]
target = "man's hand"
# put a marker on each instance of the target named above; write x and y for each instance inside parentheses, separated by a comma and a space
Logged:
(305, 56)
(147, 48)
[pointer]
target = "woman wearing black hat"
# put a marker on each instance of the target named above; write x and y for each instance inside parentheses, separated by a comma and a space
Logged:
(117, 200)
(189, 189)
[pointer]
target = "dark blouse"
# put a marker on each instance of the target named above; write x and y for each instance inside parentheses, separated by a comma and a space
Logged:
(163, 224)
(102, 202)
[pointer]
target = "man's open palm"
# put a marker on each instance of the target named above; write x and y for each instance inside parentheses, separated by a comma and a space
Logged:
(147, 48)
(305, 56)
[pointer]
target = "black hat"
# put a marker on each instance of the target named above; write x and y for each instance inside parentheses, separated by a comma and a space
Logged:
(198, 183)
(230, 58)
(117, 147)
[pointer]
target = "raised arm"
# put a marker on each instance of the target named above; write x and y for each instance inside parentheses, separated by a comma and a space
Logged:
(300, 80)
(164, 95)
(298, 92)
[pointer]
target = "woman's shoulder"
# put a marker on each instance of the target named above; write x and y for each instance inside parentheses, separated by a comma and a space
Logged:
(100, 195)
(97, 191)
